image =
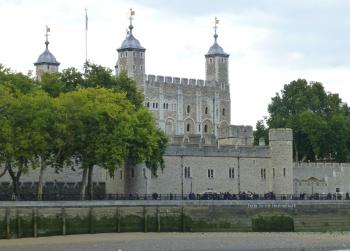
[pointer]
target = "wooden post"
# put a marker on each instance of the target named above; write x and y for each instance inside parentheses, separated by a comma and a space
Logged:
(35, 222)
(117, 219)
(63, 215)
(182, 219)
(19, 227)
(158, 220)
(91, 217)
(8, 222)
(145, 219)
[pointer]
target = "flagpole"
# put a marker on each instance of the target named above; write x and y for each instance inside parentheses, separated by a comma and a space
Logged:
(86, 29)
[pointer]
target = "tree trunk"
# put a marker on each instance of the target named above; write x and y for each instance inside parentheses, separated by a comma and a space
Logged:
(3, 172)
(41, 177)
(15, 181)
(83, 184)
(90, 184)
(295, 149)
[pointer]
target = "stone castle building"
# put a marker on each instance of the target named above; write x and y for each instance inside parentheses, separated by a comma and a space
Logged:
(205, 152)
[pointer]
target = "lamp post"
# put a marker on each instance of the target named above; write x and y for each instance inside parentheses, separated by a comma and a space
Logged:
(191, 184)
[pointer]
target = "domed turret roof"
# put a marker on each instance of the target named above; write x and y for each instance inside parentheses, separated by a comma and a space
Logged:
(216, 50)
(131, 42)
(47, 57)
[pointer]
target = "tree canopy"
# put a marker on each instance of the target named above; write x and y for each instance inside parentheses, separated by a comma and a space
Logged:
(90, 118)
(319, 119)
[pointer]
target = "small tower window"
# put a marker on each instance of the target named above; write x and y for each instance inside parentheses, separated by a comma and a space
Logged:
(134, 54)
(223, 112)
(199, 128)
(188, 109)
(188, 127)
(141, 68)
(206, 128)
(157, 105)
(284, 172)
(206, 110)
(141, 54)
(211, 60)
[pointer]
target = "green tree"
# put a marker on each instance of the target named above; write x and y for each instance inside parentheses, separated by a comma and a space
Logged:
(319, 121)
(260, 132)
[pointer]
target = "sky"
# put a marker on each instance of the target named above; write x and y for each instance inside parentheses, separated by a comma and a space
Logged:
(270, 42)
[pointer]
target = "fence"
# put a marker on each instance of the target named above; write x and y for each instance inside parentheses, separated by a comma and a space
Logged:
(156, 196)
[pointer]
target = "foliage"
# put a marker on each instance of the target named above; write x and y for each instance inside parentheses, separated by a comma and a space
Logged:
(320, 122)
(275, 223)
(91, 118)
(261, 132)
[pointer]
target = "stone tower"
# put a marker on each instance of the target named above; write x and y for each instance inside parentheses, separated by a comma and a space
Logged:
(131, 57)
(281, 146)
(216, 64)
(46, 61)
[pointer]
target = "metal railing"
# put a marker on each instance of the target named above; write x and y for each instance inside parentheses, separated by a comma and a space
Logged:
(191, 196)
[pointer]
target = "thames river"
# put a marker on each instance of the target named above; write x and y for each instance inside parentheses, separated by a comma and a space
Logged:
(182, 241)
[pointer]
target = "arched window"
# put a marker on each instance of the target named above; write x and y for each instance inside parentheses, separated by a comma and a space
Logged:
(147, 104)
(188, 127)
(188, 109)
(223, 112)
(206, 128)
(206, 110)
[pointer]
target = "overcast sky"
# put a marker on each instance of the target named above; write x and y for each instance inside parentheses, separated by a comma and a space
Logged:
(270, 42)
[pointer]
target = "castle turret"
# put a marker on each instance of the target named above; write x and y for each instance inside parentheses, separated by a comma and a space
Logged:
(281, 144)
(46, 61)
(216, 63)
(131, 57)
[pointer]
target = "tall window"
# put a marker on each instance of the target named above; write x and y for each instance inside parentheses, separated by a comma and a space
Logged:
(210, 173)
(205, 128)
(263, 173)
(231, 173)
(284, 172)
(188, 109)
(188, 127)
(187, 172)
(144, 172)
(206, 110)
(132, 172)
(121, 174)
(223, 112)
(273, 172)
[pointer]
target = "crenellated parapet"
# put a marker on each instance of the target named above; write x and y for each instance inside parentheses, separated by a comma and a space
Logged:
(153, 79)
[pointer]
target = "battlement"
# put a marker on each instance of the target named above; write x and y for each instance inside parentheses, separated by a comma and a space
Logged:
(281, 134)
(215, 151)
(174, 80)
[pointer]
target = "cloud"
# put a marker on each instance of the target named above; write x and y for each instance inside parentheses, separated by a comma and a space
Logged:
(270, 42)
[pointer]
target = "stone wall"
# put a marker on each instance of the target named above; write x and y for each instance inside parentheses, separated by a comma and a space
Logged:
(321, 178)
(201, 168)
(35, 219)
(187, 106)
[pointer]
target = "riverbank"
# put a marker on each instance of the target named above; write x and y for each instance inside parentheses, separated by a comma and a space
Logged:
(183, 241)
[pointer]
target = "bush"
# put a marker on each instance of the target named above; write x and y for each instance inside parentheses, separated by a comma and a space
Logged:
(276, 223)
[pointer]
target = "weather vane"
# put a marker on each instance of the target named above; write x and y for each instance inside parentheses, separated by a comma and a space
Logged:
(47, 30)
(216, 22)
